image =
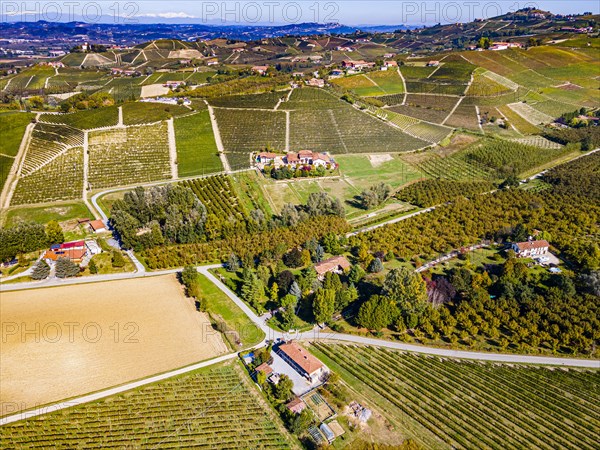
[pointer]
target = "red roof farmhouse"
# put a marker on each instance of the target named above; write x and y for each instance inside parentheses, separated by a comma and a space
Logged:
(301, 360)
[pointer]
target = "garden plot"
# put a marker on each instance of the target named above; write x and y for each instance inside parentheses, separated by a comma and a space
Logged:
(129, 155)
(530, 114)
(139, 328)
(58, 179)
(244, 131)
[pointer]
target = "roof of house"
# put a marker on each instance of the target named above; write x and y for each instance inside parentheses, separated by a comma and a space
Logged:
(292, 157)
(530, 245)
(74, 254)
(331, 264)
(265, 368)
(73, 244)
(305, 154)
(391, 63)
(296, 405)
(267, 155)
(321, 156)
(260, 67)
(301, 357)
(97, 225)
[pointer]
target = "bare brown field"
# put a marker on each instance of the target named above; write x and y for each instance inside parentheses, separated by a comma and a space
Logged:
(63, 342)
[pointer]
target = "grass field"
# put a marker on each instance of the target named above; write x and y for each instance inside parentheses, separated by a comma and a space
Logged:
(60, 213)
(210, 408)
(6, 164)
(12, 129)
(222, 309)
(131, 319)
(196, 147)
(87, 119)
(451, 403)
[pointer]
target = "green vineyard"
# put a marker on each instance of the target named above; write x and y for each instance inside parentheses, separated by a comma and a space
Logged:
(218, 195)
(467, 405)
(129, 155)
(59, 179)
(208, 409)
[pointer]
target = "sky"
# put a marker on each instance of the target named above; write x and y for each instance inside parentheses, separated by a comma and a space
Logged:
(277, 12)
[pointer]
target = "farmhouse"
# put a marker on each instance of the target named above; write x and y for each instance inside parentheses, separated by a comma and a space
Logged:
(360, 64)
(504, 45)
(75, 251)
(433, 63)
(390, 64)
(266, 157)
(336, 264)
(316, 82)
(302, 361)
(296, 406)
(265, 368)
(261, 70)
(174, 84)
(531, 248)
(97, 226)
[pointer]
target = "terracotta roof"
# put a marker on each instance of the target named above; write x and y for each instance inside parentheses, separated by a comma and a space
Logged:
(322, 156)
(97, 225)
(391, 63)
(267, 155)
(305, 154)
(265, 368)
(75, 254)
(292, 157)
(301, 357)
(530, 245)
(331, 264)
(297, 405)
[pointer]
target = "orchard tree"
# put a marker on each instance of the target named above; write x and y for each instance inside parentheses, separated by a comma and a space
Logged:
(356, 274)
(324, 305)
(376, 313)
(54, 233)
(407, 289)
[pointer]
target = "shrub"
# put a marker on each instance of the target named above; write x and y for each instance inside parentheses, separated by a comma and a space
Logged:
(66, 268)
(40, 271)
